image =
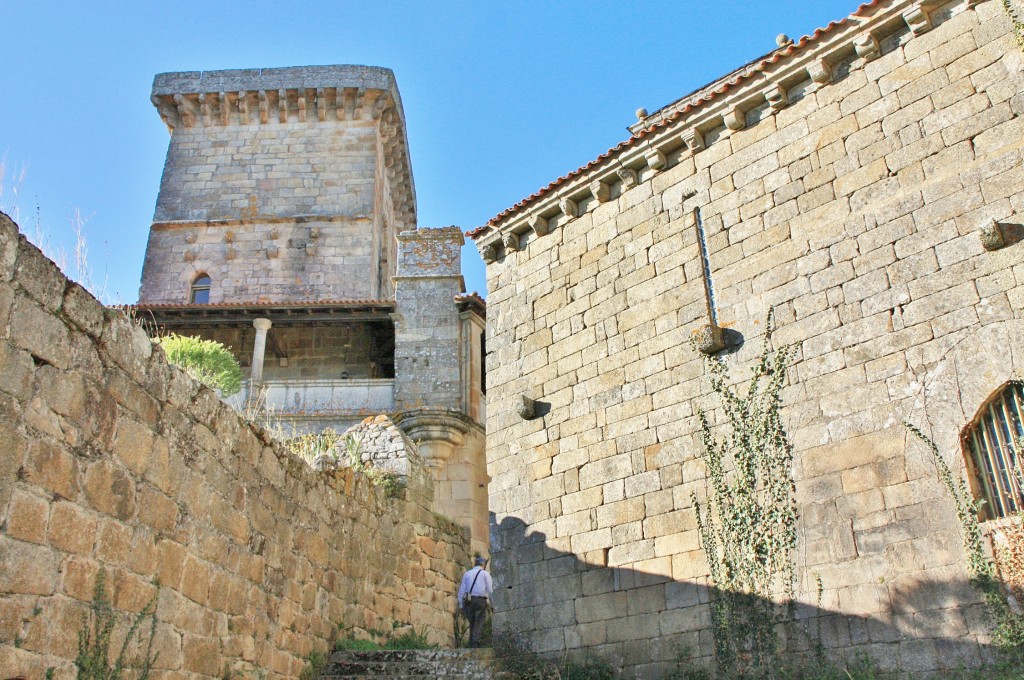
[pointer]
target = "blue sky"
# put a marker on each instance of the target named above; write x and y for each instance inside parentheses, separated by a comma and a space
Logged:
(500, 98)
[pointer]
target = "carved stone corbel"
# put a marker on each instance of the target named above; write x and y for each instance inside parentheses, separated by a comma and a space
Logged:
(709, 339)
(225, 107)
(628, 177)
(230, 254)
(310, 249)
(693, 139)
(379, 105)
(568, 207)
(777, 97)
(300, 102)
(526, 407)
(321, 104)
(489, 254)
(264, 107)
(655, 159)
(991, 235)
(918, 20)
(539, 225)
(511, 242)
(204, 108)
(820, 72)
(735, 119)
(272, 252)
(282, 106)
(867, 47)
(190, 255)
(185, 113)
(243, 107)
(601, 191)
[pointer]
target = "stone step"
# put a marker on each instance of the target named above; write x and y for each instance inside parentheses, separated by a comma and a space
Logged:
(472, 664)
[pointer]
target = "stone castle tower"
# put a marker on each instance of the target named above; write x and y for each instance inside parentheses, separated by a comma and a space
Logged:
(285, 228)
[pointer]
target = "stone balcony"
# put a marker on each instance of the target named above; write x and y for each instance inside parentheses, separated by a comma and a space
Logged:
(311, 405)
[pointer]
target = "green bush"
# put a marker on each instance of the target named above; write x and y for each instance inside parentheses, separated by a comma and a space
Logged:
(208, 361)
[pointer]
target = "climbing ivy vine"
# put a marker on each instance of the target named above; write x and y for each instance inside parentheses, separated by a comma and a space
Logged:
(1018, 26)
(747, 522)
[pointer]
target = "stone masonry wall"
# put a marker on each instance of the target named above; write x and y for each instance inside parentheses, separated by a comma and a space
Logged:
(851, 205)
(112, 459)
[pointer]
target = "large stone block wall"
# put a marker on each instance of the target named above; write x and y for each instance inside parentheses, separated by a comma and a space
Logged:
(854, 210)
(112, 459)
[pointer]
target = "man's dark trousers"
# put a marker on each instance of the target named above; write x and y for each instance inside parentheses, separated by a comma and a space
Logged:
(476, 612)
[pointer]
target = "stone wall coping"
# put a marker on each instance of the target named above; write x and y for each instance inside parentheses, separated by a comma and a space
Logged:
(255, 79)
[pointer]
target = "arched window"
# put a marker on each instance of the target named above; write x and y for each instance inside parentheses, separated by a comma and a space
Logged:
(200, 290)
(993, 443)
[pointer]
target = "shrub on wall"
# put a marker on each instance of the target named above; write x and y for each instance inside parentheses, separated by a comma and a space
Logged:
(208, 361)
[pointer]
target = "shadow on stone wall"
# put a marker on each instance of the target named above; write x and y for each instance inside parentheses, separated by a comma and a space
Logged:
(561, 606)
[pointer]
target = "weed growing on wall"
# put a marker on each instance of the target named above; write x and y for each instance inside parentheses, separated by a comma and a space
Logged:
(96, 638)
(1008, 625)
(747, 522)
(1018, 26)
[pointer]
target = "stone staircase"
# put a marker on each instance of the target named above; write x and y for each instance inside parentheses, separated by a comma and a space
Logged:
(475, 664)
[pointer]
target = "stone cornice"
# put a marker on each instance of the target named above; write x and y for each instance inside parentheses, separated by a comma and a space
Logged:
(312, 95)
(678, 130)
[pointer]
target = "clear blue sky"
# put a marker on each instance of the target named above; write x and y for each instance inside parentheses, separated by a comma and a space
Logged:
(500, 98)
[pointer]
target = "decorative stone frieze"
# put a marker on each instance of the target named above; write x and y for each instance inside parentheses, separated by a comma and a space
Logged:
(991, 234)
(820, 72)
(867, 47)
(777, 97)
(601, 191)
(539, 225)
(511, 242)
(735, 119)
(693, 139)
(568, 207)
(628, 177)
(918, 20)
(656, 160)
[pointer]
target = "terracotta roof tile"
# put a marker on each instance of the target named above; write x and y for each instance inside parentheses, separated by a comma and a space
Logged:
(724, 85)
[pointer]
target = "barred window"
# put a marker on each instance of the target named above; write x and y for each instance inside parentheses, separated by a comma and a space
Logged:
(200, 290)
(993, 442)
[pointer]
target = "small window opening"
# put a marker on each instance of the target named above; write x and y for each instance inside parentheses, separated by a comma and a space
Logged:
(994, 443)
(200, 290)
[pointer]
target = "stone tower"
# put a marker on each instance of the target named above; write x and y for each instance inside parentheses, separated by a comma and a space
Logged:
(285, 228)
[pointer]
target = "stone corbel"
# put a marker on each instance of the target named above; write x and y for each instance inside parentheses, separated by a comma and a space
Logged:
(777, 97)
(709, 339)
(437, 433)
(628, 177)
(321, 104)
(357, 104)
(526, 407)
(310, 249)
(568, 207)
(185, 113)
(230, 254)
(991, 235)
(511, 242)
(225, 108)
(918, 20)
(601, 191)
(693, 139)
(300, 102)
(204, 108)
(867, 47)
(489, 253)
(379, 105)
(820, 72)
(539, 225)
(735, 119)
(272, 252)
(282, 106)
(655, 159)
(190, 237)
(190, 255)
(243, 107)
(264, 107)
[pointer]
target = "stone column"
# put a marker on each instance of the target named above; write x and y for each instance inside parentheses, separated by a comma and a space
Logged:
(259, 348)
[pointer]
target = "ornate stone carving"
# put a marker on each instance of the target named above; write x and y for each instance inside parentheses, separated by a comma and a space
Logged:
(655, 159)
(918, 20)
(489, 254)
(282, 106)
(539, 225)
(185, 112)
(243, 107)
(991, 235)
(526, 407)
(568, 207)
(436, 432)
(709, 339)
(300, 103)
(601, 191)
(511, 242)
(321, 104)
(264, 107)
(777, 97)
(735, 119)
(867, 47)
(628, 176)
(693, 139)
(820, 72)
(272, 252)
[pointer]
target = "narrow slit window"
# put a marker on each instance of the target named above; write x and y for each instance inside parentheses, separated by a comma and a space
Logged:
(993, 444)
(200, 293)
